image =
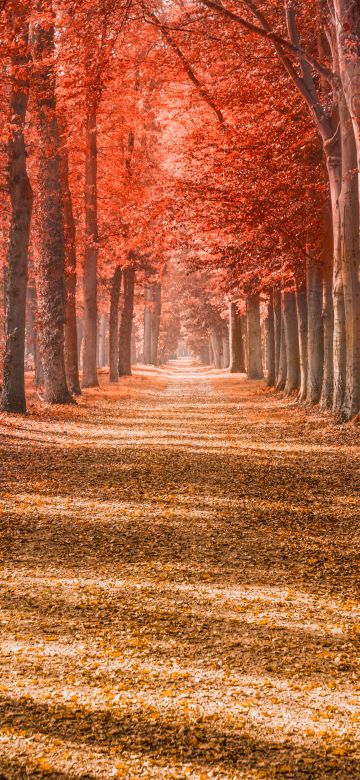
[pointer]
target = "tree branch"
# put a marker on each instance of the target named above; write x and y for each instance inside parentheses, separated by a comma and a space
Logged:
(201, 89)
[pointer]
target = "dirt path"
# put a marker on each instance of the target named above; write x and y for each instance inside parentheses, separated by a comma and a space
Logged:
(179, 586)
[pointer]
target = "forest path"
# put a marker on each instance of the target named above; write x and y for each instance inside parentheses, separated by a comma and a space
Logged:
(179, 585)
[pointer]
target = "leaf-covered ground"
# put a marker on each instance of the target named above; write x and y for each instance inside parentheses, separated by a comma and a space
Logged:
(179, 586)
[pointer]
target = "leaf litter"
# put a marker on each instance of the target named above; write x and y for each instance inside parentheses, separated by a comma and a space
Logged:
(179, 585)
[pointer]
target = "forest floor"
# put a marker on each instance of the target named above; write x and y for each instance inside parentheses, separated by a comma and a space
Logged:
(179, 585)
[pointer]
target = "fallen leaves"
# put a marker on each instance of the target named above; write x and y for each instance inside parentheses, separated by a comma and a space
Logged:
(179, 589)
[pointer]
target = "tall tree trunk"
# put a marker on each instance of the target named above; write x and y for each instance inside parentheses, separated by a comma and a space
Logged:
(147, 323)
(237, 364)
(126, 323)
(255, 370)
(155, 322)
(50, 234)
(277, 330)
(80, 336)
(282, 372)
(291, 342)
(71, 348)
(350, 250)
(225, 350)
(90, 377)
(315, 331)
(326, 399)
(216, 346)
(211, 352)
(133, 355)
(13, 393)
(302, 315)
(114, 325)
(270, 346)
(102, 340)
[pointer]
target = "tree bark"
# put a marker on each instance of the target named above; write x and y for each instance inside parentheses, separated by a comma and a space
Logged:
(255, 370)
(133, 355)
(71, 348)
(350, 250)
(114, 325)
(225, 350)
(282, 372)
(237, 364)
(270, 342)
(277, 329)
(326, 399)
(147, 323)
(13, 392)
(155, 322)
(302, 315)
(102, 339)
(90, 377)
(291, 342)
(50, 235)
(216, 346)
(126, 323)
(315, 331)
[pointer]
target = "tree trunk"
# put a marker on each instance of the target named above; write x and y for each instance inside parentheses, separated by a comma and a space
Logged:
(114, 325)
(90, 377)
(291, 342)
(282, 372)
(302, 315)
(216, 347)
(270, 342)
(102, 340)
(255, 370)
(155, 322)
(71, 349)
(80, 336)
(13, 393)
(50, 234)
(237, 364)
(350, 250)
(315, 331)
(225, 350)
(326, 399)
(277, 330)
(133, 355)
(126, 323)
(211, 353)
(147, 323)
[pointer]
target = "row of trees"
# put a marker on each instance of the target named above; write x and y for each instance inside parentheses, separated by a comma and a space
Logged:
(143, 132)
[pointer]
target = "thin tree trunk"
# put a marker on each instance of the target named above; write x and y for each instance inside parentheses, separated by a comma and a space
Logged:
(90, 377)
(291, 342)
(255, 370)
(133, 355)
(50, 234)
(80, 336)
(315, 331)
(126, 323)
(216, 348)
(225, 350)
(277, 330)
(114, 325)
(326, 399)
(350, 250)
(147, 323)
(270, 342)
(211, 353)
(282, 372)
(302, 315)
(13, 393)
(237, 364)
(71, 350)
(102, 340)
(155, 322)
